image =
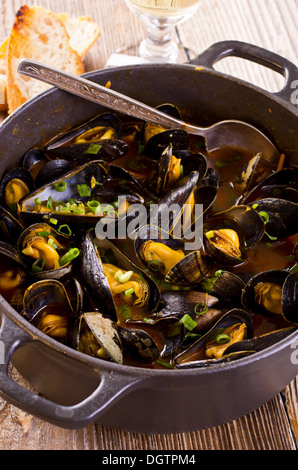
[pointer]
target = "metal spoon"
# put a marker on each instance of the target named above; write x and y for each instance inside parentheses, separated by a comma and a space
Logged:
(228, 133)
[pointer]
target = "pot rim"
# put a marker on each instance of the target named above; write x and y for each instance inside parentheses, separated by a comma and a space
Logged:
(102, 364)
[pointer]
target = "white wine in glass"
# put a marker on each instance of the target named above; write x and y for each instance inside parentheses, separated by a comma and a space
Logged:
(161, 17)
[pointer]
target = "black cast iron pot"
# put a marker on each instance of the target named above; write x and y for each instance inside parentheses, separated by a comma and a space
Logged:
(75, 389)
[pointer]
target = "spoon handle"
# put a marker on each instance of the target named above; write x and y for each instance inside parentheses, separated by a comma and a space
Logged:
(98, 94)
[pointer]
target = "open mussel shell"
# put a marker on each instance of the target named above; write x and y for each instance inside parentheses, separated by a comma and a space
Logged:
(201, 307)
(255, 170)
(97, 336)
(51, 171)
(171, 166)
(15, 185)
(272, 293)
(259, 343)
(99, 257)
(183, 302)
(138, 343)
(156, 138)
(281, 184)
(78, 154)
(166, 257)
(39, 205)
(169, 332)
(181, 209)
(280, 216)
(195, 356)
(10, 227)
(14, 275)
(229, 233)
(47, 306)
(226, 286)
(91, 131)
(42, 249)
(34, 160)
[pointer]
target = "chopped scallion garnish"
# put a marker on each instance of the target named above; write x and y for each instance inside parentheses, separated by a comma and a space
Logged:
(69, 256)
(188, 322)
(155, 265)
(38, 265)
(93, 206)
(265, 216)
(37, 201)
(200, 309)
(84, 190)
(129, 292)
(65, 230)
(222, 338)
(61, 186)
(50, 202)
(93, 149)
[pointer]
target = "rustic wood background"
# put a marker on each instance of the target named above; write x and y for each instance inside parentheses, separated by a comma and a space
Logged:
(268, 23)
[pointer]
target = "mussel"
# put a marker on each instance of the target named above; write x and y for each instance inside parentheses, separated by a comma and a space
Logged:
(156, 138)
(272, 293)
(47, 306)
(13, 275)
(97, 336)
(280, 216)
(211, 348)
(15, 185)
(171, 166)
(102, 127)
(228, 234)
(48, 253)
(167, 258)
(114, 281)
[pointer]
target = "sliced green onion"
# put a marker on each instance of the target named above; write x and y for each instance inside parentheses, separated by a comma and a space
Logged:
(93, 149)
(155, 265)
(129, 292)
(52, 243)
(53, 221)
(164, 364)
(209, 234)
(50, 202)
(43, 234)
(38, 265)
(84, 190)
(265, 216)
(254, 206)
(61, 186)
(37, 200)
(93, 205)
(126, 276)
(69, 256)
(79, 209)
(118, 274)
(270, 236)
(125, 312)
(222, 338)
(200, 308)
(65, 230)
(188, 322)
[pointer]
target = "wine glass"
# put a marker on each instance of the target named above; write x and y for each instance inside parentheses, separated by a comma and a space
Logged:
(160, 18)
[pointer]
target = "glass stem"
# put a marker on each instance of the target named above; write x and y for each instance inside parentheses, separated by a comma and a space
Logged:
(159, 45)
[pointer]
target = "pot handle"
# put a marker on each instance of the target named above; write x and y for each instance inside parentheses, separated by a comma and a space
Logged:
(256, 54)
(111, 388)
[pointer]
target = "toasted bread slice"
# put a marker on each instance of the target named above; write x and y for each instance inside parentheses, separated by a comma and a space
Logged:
(39, 35)
(3, 91)
(82, 31)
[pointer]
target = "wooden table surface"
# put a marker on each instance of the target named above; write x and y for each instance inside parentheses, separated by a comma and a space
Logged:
(268, 23)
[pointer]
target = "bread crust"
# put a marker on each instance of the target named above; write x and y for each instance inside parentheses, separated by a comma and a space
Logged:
(37, 34)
